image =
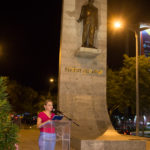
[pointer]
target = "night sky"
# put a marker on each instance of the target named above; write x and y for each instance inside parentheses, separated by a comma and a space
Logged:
(29, 39)
(30, 35)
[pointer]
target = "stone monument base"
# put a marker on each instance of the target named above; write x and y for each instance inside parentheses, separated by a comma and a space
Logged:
(113, 145)
(87, 52)
(111, 140)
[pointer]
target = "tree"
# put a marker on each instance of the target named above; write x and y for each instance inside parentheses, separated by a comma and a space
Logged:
(23, 99)
(8, 131)
(121, 91)
(127, 82)
(113, 91)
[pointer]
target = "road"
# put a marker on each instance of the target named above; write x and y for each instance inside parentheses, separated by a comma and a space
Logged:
(146, 133)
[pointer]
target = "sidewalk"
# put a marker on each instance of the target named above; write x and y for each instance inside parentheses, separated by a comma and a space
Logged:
(29, 140)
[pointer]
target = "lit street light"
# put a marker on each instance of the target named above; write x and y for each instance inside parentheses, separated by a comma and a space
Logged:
(51, 80)
(136, 31)
(117, 24)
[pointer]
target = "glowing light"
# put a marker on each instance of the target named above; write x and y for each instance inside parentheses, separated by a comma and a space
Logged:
(117, 24)
(51, 80)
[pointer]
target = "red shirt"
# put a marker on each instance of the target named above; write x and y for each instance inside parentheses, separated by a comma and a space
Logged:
(48, 128)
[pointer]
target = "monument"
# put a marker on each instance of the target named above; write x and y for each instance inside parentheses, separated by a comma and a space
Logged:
(82, 76)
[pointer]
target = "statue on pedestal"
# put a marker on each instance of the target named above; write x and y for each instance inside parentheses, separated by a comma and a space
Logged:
(89, 16)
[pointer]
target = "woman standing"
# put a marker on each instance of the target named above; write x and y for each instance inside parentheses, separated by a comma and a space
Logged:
(47, 139)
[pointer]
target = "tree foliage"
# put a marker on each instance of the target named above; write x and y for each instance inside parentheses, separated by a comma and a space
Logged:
(8, 131)
(121, 86)
(23, 99)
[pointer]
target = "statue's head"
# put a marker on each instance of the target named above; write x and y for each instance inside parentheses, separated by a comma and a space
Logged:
(91, 1)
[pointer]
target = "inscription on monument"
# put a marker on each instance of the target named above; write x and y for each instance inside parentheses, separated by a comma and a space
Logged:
(84, 70)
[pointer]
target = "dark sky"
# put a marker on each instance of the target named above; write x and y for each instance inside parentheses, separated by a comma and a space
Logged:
(122, 41)
(30, 35)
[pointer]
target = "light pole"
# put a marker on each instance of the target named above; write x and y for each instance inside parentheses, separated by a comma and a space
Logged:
(136, 29)
(51, 80)
(137, 82)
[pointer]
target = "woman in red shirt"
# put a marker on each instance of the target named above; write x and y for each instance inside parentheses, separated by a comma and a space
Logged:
(47, 139)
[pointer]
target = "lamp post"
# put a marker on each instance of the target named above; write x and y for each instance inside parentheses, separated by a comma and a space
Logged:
(51, 80)
(137, 82)
(136, 31)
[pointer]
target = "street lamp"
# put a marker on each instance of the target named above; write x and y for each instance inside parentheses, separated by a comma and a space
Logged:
(136, 31)
(51, 80)
(117, 24)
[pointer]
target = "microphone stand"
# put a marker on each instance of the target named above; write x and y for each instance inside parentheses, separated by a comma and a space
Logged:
(68, 118)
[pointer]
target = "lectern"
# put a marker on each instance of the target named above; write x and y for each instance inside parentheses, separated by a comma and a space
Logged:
(62, 130)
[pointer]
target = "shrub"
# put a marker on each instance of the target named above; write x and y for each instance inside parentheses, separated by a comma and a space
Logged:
(8, 131)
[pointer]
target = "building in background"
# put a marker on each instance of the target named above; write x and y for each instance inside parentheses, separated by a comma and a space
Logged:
(145, 40)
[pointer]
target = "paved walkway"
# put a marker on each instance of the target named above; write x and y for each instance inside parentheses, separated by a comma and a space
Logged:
(29, 140)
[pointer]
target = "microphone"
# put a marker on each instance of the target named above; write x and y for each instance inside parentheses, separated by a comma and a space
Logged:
(57, 111)
(60, 112)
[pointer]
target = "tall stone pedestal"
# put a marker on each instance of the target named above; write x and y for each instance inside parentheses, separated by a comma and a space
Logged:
(82, 76)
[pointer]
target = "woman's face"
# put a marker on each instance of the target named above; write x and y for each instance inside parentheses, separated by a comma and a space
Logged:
(48, 106)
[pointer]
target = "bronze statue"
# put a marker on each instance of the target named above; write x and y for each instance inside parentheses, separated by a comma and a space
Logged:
(89, 15)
